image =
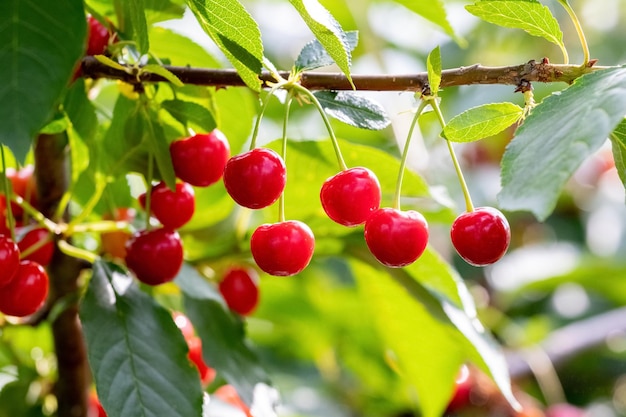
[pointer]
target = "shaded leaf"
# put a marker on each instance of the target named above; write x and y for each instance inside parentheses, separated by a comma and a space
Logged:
(353, 109)
(557, 136)
(41, 43)
(618, 140)
(528, 15)
(160, 148)
(482, 121)
(137, 354)
(135, 10)
(236, 34)
(314, 55)
(327, 31)
(433, 63)
(224, 346)
(188, 112)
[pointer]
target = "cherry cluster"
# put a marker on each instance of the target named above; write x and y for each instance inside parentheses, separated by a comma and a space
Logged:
(156, 255)
(23, 279)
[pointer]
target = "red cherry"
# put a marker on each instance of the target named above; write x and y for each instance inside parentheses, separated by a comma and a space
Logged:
(155, 256)
(200, 159)
(33, 237)
(481, 237)
(9, 260)
(172, 208)
(228, 394)
(184, 324)
(396, 238)
(23, 184)
(99, 37)
(283, 248)
(4, 225)
(207, 374)
(240, 290)
(255, 179)
(462, 391)
(26, 292)
(95, 407)
(564, 410)
(351, 196)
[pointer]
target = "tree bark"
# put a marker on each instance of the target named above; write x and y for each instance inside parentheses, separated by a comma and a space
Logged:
(72, 387)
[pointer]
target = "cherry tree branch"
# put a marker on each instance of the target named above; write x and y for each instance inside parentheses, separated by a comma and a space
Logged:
(532, 71)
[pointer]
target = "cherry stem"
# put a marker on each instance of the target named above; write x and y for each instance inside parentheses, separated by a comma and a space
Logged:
(469, 206)
(87, 208)
(257, 124)
(405, 154)
(75, 252)
(333, 138)
(36, 214)
(7, 194)
(281, 200)
(579, 30)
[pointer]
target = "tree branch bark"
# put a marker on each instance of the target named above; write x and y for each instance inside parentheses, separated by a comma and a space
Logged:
(531, 71)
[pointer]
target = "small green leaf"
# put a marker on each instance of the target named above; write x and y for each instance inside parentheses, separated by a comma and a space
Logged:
(103, 59)
(190, 113)
(59, 124)
(528, 15)
(314, 55)
(327, 31)
(224, 346)
(353, 109)
(236, 33)
(557, 136)
(482, 121)
(435, 12)
(135, 9)
(163, 72)
(618, 140)
(41, 41)
(137, 354)
(433, 63)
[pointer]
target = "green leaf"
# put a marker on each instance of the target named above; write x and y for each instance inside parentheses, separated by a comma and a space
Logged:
(224, 346)
(435, 12)
(327, 31)
(163, 72)
(353, 109)
(433, 63)
(160, 148)
(482, 121)
(82, 114)
(430, 296)
(179, 50)
(137, 354)
(528, 15)
(135, 9)
(558, 135)
(618, 140)
(236, 34)
(314, 55)
(41, 43)
(103, 59)
(190, 113)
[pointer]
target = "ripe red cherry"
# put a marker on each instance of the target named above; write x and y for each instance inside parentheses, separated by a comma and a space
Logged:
(207, 374)
(9, 260)
(396, 238)
(200, 159)
(481, 237)
(95, 407)
(240, 290)
(23, 184)
(98, 37)
(463, 385)
(351, 196)
(36, 236)
(255, 179)
(172, 208)
(155, 256)
(283, 248)
(26, 292)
